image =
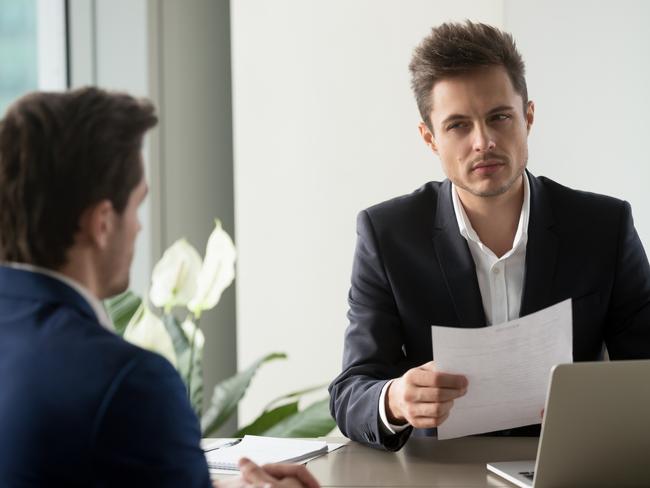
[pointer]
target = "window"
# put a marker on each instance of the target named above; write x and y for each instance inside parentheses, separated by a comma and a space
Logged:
(32, 48)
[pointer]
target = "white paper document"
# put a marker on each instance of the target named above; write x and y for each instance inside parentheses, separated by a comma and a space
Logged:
(508, 368)
(331, 446)
(264, 450)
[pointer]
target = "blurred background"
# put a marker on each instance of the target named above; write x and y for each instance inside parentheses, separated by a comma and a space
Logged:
(285, 118)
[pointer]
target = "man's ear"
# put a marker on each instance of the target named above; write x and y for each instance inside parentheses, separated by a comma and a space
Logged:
(427, 136)
(530, 115)
(97, 223)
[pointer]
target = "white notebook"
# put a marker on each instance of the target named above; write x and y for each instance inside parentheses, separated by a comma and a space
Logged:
(265, 450)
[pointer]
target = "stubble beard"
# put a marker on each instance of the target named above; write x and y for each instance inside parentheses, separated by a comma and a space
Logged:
(497, 191)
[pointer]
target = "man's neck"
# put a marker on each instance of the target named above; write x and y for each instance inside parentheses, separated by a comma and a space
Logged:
(495, 219)
(80, 270)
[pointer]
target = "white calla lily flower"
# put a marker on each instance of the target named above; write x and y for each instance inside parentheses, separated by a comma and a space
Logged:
(174, 278)
(217, 272)
(193, 332)
(147, 331)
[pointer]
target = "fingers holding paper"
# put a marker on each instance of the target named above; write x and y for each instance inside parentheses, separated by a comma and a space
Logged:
(423, 396)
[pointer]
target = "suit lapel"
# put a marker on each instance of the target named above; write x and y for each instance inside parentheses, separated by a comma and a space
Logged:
(456, 262)
(541, 251)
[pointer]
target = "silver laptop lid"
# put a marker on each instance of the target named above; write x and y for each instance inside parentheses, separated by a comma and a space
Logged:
(596, 429)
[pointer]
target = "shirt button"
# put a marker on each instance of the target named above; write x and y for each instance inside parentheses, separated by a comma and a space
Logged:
(495, 270)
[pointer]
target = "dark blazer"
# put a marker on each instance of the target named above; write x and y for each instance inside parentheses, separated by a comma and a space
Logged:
(79, 406)
(412, 269)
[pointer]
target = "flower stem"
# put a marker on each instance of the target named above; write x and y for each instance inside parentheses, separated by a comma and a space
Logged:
(191, 368)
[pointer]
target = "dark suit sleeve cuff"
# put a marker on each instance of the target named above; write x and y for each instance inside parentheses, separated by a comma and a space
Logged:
(394, 442)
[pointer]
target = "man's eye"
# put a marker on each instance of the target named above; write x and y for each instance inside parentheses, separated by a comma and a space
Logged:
(457, 125)
(500, 117)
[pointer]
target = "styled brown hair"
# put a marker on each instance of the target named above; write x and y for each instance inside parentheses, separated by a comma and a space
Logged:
(61, 153)
(453, 49)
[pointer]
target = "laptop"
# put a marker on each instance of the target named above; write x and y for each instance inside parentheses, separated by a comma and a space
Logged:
(595, 432)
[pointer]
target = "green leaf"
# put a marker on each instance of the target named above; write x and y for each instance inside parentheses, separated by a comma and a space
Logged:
(314, 421)
(179, 339)
(227, 394)
(195, 373)
(184, 358)
(268, 419)
(294, 396)
(121, 308)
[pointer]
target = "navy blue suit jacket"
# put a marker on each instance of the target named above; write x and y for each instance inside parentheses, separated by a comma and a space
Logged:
(413, 269)
(79, 406)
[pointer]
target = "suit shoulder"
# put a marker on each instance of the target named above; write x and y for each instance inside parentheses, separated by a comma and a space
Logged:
(74, 341)
(125, 361)
(68, 325)
(149, 363)
(419, 203)
(581, 204)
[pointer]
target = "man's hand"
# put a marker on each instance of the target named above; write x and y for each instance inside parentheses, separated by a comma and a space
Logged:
(270, 476)
(423, 396)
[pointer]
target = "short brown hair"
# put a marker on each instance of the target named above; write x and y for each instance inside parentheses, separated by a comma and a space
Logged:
(453, 49)
(61, 153)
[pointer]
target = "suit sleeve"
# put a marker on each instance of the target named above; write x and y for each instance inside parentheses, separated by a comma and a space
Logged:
(146, 433)
(628, 334)
(373, 351)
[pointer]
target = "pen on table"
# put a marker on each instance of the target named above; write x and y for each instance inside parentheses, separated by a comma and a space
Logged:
(220, 446)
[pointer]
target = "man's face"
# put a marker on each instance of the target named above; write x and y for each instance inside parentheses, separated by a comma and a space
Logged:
(119, 252)
(480, 131)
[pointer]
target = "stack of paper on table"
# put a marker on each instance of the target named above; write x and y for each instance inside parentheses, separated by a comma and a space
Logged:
(265, 450)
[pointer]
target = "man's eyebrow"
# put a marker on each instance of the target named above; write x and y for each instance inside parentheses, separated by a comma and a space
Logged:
(501, 108)
(454, 117)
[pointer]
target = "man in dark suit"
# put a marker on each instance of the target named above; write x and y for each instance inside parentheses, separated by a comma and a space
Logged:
(79, 406)
(487, 245)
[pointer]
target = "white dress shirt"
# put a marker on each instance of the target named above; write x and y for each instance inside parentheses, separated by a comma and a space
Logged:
(500, 280)
(95, 304)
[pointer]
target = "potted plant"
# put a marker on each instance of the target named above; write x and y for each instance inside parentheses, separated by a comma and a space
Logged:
(183, 286)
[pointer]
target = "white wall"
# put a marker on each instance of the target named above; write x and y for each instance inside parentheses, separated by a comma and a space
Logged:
(324, 125)
(589, 74)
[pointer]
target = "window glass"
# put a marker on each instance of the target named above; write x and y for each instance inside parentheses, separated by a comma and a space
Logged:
(32, 47)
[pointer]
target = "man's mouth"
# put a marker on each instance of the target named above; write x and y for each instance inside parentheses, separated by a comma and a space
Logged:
(487, 166)
(489, 162)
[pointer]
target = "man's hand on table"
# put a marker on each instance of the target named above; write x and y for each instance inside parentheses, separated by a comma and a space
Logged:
(423, 396)
(270, 476)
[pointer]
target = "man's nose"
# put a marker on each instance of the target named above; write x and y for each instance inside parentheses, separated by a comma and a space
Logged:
(483, 140)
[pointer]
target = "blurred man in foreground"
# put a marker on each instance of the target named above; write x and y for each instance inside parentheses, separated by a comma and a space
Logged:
(79, 406)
